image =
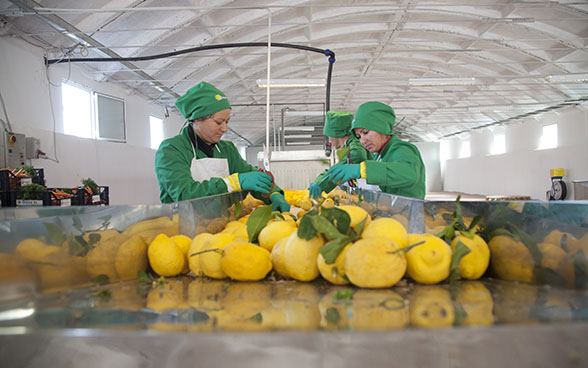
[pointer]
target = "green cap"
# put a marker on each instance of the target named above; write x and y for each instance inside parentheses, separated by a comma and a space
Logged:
(338, 124)
(202, 100)
(375, 116)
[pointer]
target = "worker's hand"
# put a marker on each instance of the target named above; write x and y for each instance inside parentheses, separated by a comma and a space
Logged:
(314, 190)
(279, 203)
(256, 181)
(342, 173)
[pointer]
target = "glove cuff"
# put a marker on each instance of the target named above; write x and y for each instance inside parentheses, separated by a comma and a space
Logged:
(363, 170)
(232, 182)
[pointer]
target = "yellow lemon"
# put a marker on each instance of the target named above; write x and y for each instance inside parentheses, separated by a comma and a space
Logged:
(100, 259)
(429, 263)
(335, 272)
(183, 242)
(476, 301)
(273, 232)
(374, 263)
(210, 262)
(34, 249)
(552, 255)
(244, 261)
(165, 257)
(415, 238)
(306, 204)
(510, 259)
(559, 238)
(277, 257)
(131, 258)
(195, 247)
(300, 257)
(357, 215)
(234, 223)
(386, 227)
(575, 245)
(328, 203)
(431, 307)
(473, 265)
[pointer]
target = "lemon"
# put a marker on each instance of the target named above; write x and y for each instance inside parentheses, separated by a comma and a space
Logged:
(271, 233)
(430, 262)
(34, 249)
(335, 272)
(378, 310)
(183, 242)
(305, 204)
(477, 302)
(415, 238)
(374, 263)
(431, 307)
(210, 262)
(277, 257)
(575, 245)
(234, 223)
(239, 232)
(243, 219)
(195, 247)
(165, 257)
(300, 257)
(357, 215)
(244, 261)
(328, 203)
(386, 227)
(559, 238)
(552, 255)
(473, 265)
(510, 259)
(131, 258)
(100, 259)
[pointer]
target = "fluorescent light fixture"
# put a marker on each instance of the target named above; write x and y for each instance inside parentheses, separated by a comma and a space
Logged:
(441, 81)
(304, 113)
(567, 78)
(298, 136)
(285, 83)
(299, 129)
(298, 143)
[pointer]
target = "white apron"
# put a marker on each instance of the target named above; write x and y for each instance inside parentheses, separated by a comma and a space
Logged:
(206, 168)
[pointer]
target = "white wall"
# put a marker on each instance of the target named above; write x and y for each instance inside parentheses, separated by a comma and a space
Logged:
(127, 168)
(430, 155)
(522, 170)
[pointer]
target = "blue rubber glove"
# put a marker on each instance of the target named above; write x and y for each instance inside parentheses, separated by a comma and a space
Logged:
(279, 203)
(256, 181)
(314, 190)
(342, 173)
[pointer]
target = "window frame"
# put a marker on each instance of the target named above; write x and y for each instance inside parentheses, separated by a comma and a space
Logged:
(96, 117)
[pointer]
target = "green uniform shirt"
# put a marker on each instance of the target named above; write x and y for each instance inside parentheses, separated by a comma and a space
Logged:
(172, 167)
(399, 169)
(356, 154)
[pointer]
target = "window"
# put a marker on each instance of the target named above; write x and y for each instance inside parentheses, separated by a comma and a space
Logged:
(464, 150)
(548, 137)
(110, 118)
(499, 144)
(77, 110)
(156, 129)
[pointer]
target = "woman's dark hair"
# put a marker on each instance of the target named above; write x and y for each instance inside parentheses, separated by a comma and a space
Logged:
(202, 118)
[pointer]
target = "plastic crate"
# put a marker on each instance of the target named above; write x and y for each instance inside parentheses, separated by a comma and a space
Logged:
(83, 198)
(10, 182)
(11, 199)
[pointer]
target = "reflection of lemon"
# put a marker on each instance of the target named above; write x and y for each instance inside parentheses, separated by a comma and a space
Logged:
(206, 294)
(195, 247)
(513, 301)
(99, 235)
(473, 265)
(378, 310)
(168, 296)
(576, 245)
(559, 238)
(131, 258)
(295, 306)
(277, 257)
(211, 261)
(510, 259)
(34, 250)
(374, 263)
(431, 307)
(300, 257)
(100, 260)
(245, 261)
(357, 215)
(183, 242)
(385, 227)
(165, 257)
(245, 299)
(273, 232)
(122, 296)
(334, 313)
(477, 302)
(552, 255)
(335, 272)
(429, 263)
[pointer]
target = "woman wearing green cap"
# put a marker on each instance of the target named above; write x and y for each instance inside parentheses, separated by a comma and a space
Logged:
(349, 149)
(197, 163)
(398, 167)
